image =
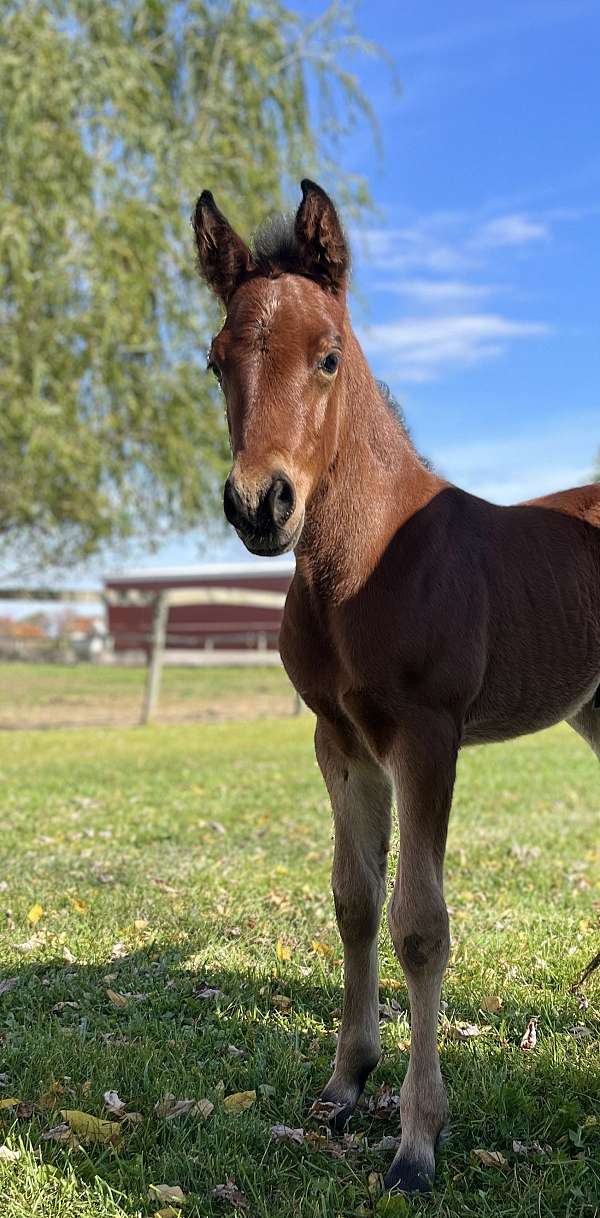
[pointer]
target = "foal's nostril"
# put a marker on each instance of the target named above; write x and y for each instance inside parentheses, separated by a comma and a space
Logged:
(281, 499)
(232, 504)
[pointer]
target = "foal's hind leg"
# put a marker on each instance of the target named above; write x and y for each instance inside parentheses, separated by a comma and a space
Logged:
(360, 793)
(587, 723)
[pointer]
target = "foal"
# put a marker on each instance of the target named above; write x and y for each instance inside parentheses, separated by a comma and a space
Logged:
(420, 617)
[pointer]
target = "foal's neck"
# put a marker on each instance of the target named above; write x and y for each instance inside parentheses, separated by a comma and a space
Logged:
(375, 481)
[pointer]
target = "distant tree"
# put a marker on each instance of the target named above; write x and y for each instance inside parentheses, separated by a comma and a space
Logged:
(112, 118)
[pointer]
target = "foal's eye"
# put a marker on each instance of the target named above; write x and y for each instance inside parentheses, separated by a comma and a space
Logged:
(330, 363)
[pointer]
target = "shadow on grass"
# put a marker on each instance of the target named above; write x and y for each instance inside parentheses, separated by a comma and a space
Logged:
(65, 1041)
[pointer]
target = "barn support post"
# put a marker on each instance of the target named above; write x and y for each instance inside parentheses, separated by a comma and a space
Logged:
(155, 657)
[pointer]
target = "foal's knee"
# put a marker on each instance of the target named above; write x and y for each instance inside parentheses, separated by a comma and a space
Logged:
(420, 934)
(358, 910)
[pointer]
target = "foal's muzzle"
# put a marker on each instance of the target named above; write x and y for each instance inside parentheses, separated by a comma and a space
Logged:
(263, 521)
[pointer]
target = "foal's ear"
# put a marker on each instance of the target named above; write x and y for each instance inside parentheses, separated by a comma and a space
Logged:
(320, 240)
(223, 257)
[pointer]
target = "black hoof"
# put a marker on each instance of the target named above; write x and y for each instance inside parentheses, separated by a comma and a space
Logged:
(408, 1176)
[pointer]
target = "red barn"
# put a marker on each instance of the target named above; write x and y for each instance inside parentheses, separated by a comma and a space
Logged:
(199, 626)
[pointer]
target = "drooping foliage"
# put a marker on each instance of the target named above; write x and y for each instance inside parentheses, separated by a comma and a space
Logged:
(113, 117)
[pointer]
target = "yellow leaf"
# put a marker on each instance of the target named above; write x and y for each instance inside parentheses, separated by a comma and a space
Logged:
(117, 999)
(282, 950)
(35, 913)
(239, 1102)
(91, 1128)
(140, 923)
(169, 1212)
(9, 1102)
(79, 906)
(321, 949)
(166, 1192)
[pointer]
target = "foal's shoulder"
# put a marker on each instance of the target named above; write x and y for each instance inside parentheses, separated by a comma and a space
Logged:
(582, 502)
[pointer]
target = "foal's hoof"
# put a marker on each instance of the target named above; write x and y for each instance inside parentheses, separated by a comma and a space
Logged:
(408, 1175)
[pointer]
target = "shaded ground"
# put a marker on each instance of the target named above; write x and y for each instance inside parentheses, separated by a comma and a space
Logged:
(62, 695)
(141, 868)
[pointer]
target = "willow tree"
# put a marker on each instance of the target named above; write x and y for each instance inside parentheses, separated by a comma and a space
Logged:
(112, 117)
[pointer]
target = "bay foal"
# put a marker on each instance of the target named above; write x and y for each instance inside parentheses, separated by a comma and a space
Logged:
(420, 618)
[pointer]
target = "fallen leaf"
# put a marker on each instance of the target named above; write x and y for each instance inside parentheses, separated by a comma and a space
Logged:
(284, 1133)
(62, 1133)
(140, 924)
(529, 1038)
(9, 1102)
(3, 1079)
(230, 1192)
(391, 1010)
(324, 1111)
(281, 1002)
(266, 1089)
(166, 1192)
(78, 905)
(118, 1000)
(60, 1006)
(24, 1110)
(68, 956)
(384, 1102)
(91, 1128)
(580, 1032)
(118, 951)
(9, 1156)
(321, 949)
(282, 950)
(30, 945)
(7, 984)
(374, 1182)
(113, 1103)
(169, 1212)
(387, 1143)
(238, 1102)
(49, 1099)
(204, 1109)
(233, 1051)
(519, 1148)
(464, 1031)
(492, 1003)
(490, 1158)
(35, 913)
(208, 991)
(170, 1109)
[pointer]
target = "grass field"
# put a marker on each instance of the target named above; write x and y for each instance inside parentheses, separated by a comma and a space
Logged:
(67, 695)
(143, 869)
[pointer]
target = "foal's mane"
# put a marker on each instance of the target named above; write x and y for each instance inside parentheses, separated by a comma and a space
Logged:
(274, 243)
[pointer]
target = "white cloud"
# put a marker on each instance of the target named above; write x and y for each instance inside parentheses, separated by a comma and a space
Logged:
(511, 230)
(419, 348)
(438, 291)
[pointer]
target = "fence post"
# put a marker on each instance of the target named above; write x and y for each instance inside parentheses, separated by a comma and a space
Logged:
(155, 657)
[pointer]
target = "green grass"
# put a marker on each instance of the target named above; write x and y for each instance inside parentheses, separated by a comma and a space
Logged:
(57, 695)
(197, 848)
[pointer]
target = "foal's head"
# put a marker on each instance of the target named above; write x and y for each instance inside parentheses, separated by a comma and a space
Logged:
(278, 359)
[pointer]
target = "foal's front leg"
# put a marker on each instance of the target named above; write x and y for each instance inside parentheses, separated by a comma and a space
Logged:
(423, 763)
(360, 793)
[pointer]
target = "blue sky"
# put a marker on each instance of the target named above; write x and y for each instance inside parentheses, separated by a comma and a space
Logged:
(478, 278)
